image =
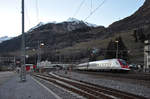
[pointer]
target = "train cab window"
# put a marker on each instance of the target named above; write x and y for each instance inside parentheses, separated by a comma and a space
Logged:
(123, 62)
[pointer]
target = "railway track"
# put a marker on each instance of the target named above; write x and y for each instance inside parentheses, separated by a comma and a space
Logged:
(87, 90)
(136, 76)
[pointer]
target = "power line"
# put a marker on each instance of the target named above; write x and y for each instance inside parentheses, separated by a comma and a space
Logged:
(27, 15)
(91, 6)
(17, 6)
(79, 8)
(37, 11)
(95, 10)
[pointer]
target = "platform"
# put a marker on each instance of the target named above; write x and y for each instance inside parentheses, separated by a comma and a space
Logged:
(31, 89)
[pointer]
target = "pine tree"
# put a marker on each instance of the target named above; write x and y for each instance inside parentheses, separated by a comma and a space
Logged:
(141, 35)
(122, 49)
(112, 49)
(135, 36)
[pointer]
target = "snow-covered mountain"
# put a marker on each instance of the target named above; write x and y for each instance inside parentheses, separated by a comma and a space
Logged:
(80, 21)
(70, 24)
(38, 25)
(73, 20)
(4, 38)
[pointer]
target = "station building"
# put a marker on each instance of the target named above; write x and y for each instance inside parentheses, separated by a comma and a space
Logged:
(147, 56)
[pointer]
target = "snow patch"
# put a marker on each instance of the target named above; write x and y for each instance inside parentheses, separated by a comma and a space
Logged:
(4, 38)
(74, 21)
(80, 21)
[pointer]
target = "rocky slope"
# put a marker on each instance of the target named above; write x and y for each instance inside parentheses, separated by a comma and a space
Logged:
(4, 38)
(139, 19)
(54, 35)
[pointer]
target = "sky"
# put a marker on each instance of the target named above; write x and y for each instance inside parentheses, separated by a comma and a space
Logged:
(104, 12)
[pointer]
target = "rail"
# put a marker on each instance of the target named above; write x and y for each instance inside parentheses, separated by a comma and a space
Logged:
(87, 90)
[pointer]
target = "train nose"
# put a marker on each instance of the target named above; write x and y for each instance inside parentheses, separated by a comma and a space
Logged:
(125, 66)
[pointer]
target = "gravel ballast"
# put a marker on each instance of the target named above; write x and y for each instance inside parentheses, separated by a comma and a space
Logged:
(123, 86)
(63, 93)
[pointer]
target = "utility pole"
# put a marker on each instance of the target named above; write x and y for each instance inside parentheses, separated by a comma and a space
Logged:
(39, 54)
(146, 56)
(14, 60)
(23, 72)
(117, 49)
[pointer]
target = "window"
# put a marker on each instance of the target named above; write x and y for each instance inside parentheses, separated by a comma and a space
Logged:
(123, 62)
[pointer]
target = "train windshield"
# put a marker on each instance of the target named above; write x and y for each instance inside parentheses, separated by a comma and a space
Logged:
(123, 62)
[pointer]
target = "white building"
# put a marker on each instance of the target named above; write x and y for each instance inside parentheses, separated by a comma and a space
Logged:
(44, 64)
(147, 56)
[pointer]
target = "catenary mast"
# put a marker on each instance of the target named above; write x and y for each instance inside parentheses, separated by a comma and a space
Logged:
(23, 72)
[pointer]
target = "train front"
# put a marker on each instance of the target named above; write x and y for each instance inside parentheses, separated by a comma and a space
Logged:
(124, 65)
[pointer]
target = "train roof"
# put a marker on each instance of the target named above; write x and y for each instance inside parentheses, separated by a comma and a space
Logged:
(100, 61)
(103, 60)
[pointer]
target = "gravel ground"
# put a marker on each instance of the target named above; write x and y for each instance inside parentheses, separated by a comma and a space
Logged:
(5, 76)
(123, 86)
(117, 77)
(63, 93)
(30, 89)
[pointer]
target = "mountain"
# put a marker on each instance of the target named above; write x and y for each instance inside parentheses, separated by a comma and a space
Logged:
(140, 18)
(55, 35)
(66, 26)
(74, 39)
(76, 21)
(35, 27)
(4, 38)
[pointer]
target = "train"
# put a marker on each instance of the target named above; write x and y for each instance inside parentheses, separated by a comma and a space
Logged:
(104, 65)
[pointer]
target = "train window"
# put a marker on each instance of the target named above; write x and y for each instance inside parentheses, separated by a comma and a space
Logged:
(117, 63)
(123, 62)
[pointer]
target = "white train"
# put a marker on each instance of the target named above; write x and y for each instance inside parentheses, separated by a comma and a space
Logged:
(105, 65)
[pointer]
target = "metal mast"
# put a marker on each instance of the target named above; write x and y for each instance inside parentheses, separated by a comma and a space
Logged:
(23, 72)
(39, 54)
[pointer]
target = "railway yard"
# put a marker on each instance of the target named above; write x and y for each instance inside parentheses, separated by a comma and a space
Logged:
(85, 85)
(123, 82)
(102, 50)
(133, 78)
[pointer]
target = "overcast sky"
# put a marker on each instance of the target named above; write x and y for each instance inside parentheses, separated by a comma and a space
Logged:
(60, 10)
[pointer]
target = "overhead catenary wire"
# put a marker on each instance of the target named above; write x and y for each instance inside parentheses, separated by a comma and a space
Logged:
(78, 9)
(27, 16)
(101, 4)
(91, 6)
(17, 8)
(37, 11)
